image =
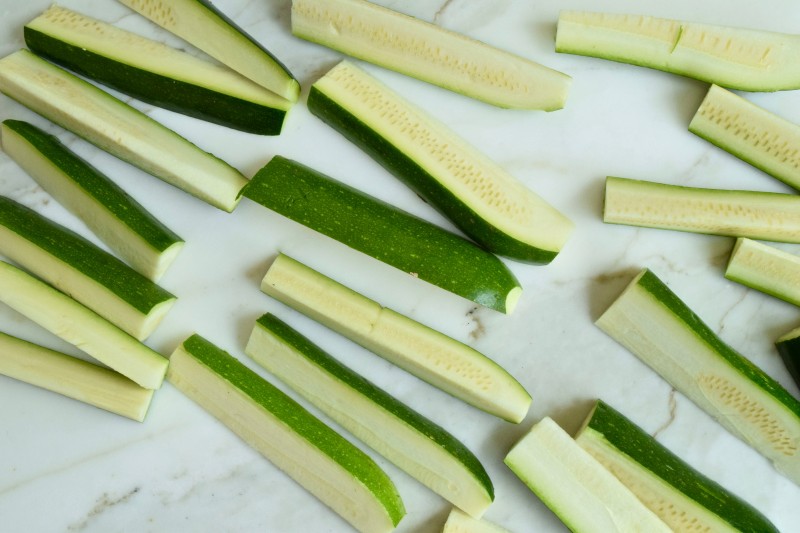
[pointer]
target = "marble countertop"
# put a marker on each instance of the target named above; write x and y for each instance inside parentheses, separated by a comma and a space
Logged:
(65, 466)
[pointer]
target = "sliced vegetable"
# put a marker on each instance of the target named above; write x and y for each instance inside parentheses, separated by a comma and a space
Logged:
(319, 459)
(751, 133)
(660, 329)
(83, 271)
(428, 354)
(757, 215)
(476, 194)
(116, 218)
(384, 232)
(739, 58)
(765, 268)
(118, 128)
(430, 53)
(201, 24)
(80, 326)
(682, 497)
(412, 442)
(789, 348)
(460, 522)
(73, 377)
(575, 486)
(154, 72)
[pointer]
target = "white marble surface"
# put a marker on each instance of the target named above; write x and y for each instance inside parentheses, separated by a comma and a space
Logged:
(65, 466)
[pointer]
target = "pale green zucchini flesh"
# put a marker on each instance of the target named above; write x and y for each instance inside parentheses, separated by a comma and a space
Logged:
(323, 462)
(204, 26)
(412, 442)
(487, 203)
(73, 378)
(118, 220)
(430, 53)
(753, 214)
(154, 72)
(575, 486)
(751, 133)
(81, 270)
(739, 58)
(788, 346)
(660, 329)
(118, 128)
(385, 233)
(80, 326)
(765, 268)
(430, 355)
(682, 497)
(460, 522)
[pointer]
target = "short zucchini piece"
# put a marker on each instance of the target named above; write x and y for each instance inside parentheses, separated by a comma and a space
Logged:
(428, 354)
(682, 497)
(430, 53)
(73, 378)
(384, 232)
(751, 133)
(412, 442)
(765, 268)
(118, 128)
(575, 486)
(475, 193)
(80, 326)
(788, 346)
(460, 522)
(118, 220)
(323, 462)
(204, 26)
(739, 58)
(83, 271)
(154, 72)
(757, 215)
(655, 325)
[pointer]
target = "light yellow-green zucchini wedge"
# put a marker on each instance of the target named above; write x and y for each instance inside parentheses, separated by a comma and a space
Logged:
(765, 268)
(460, 522)
(428, 52)
(430, 355)
(73, 378)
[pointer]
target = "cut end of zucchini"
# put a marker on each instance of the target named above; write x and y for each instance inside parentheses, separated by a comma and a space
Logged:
(765, 268)
(460, 522)
(430, 53)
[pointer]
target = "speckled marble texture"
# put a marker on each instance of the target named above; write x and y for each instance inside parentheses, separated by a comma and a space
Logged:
(65, 466)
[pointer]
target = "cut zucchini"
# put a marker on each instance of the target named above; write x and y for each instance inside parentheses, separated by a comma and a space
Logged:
(384, 232)
(655, 325)
(117, 219)
(315, 456)
(430, 53)
(682, 497)
(412, 442)
(80, 326)
(431, 356)
(739, 58)
(751, 133)
(83, 271)
(73, 377)
(575, 486)
(765, 268)
(118, 128)
(201, 24)
(460, 522)
(754, 214)
(788, 346)
(154, 72)
(476, 194)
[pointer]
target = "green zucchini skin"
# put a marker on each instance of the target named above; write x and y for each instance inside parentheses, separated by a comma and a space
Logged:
(789, 349)
(162, 91)
(384, 232)
(421, 182)
(96, 184)
(632, 441)
(421, 424)
(81, 255)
